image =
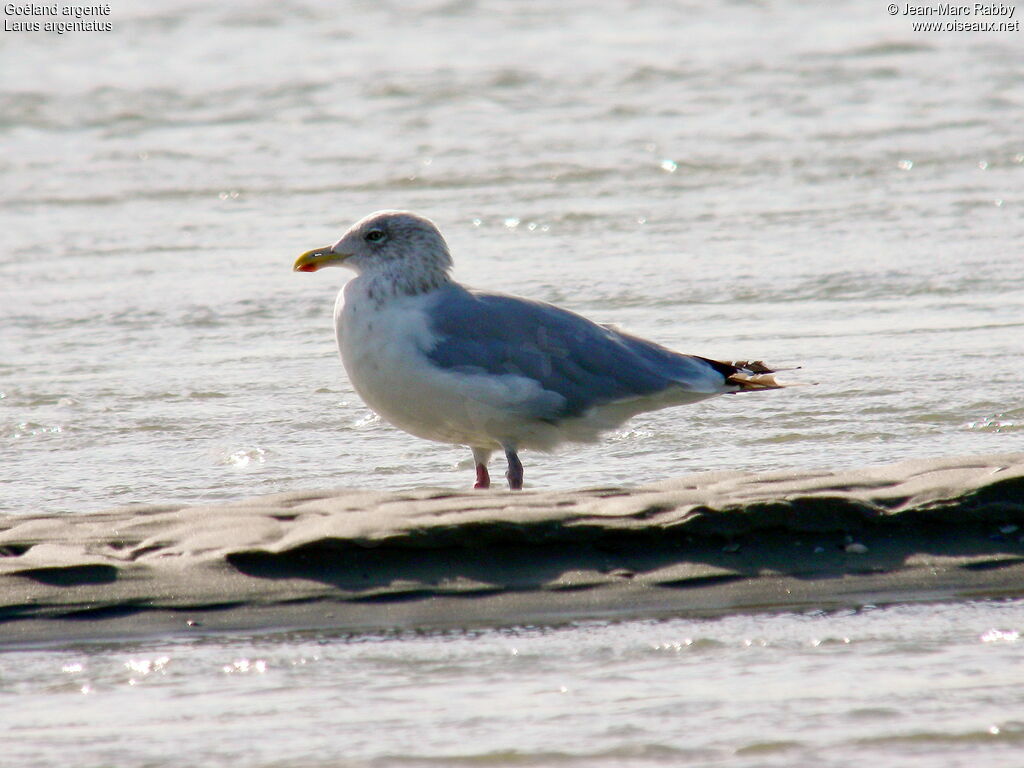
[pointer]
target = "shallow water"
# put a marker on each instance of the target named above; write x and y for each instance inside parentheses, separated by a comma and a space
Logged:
(883, 687)
(811, 184)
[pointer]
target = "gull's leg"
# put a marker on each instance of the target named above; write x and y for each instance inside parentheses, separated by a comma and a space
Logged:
(480, 456)
(514, 475)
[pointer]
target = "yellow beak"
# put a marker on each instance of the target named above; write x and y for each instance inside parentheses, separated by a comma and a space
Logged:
(313, 260)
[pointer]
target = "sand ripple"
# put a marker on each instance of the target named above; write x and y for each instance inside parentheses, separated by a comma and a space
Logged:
(359, 559)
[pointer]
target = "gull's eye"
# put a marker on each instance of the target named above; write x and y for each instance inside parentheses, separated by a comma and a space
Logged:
(375, 235)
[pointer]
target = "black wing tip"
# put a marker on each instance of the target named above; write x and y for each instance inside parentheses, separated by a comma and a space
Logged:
(755, 367)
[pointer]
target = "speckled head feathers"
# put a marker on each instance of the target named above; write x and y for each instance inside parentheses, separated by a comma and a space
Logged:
(386, 240)
(396, 253)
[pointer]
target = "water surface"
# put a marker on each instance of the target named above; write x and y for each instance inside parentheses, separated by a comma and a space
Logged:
(811, 186)
(887, 687)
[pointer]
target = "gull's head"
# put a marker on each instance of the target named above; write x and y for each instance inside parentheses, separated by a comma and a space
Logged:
(398, 243)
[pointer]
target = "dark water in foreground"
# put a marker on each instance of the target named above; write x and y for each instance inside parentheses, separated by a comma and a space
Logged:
(905, 685)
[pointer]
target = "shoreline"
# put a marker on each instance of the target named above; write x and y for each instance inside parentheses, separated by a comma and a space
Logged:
(705, 544)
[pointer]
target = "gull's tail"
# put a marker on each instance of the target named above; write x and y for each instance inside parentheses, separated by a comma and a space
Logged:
(749, 375)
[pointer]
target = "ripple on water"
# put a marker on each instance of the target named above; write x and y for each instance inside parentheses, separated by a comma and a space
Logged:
(998, 423)
(243, 458)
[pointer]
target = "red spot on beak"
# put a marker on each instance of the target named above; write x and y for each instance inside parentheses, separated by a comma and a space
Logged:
(308, 268)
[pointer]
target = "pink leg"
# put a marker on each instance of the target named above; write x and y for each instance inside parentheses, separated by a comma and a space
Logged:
(483, 480)
(514, 475)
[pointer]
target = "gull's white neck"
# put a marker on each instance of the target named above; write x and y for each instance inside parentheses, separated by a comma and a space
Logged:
(390, 281)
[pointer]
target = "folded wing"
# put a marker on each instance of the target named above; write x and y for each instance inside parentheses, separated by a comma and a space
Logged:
(585, 364)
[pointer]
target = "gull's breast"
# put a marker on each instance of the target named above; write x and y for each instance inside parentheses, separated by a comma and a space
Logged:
(383, 348)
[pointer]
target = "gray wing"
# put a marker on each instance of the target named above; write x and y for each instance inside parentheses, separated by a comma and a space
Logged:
(585, 363)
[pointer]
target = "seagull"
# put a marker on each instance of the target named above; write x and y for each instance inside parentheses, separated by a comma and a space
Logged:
(487, 370)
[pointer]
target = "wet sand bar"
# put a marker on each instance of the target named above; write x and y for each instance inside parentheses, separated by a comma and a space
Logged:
(360, 560)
